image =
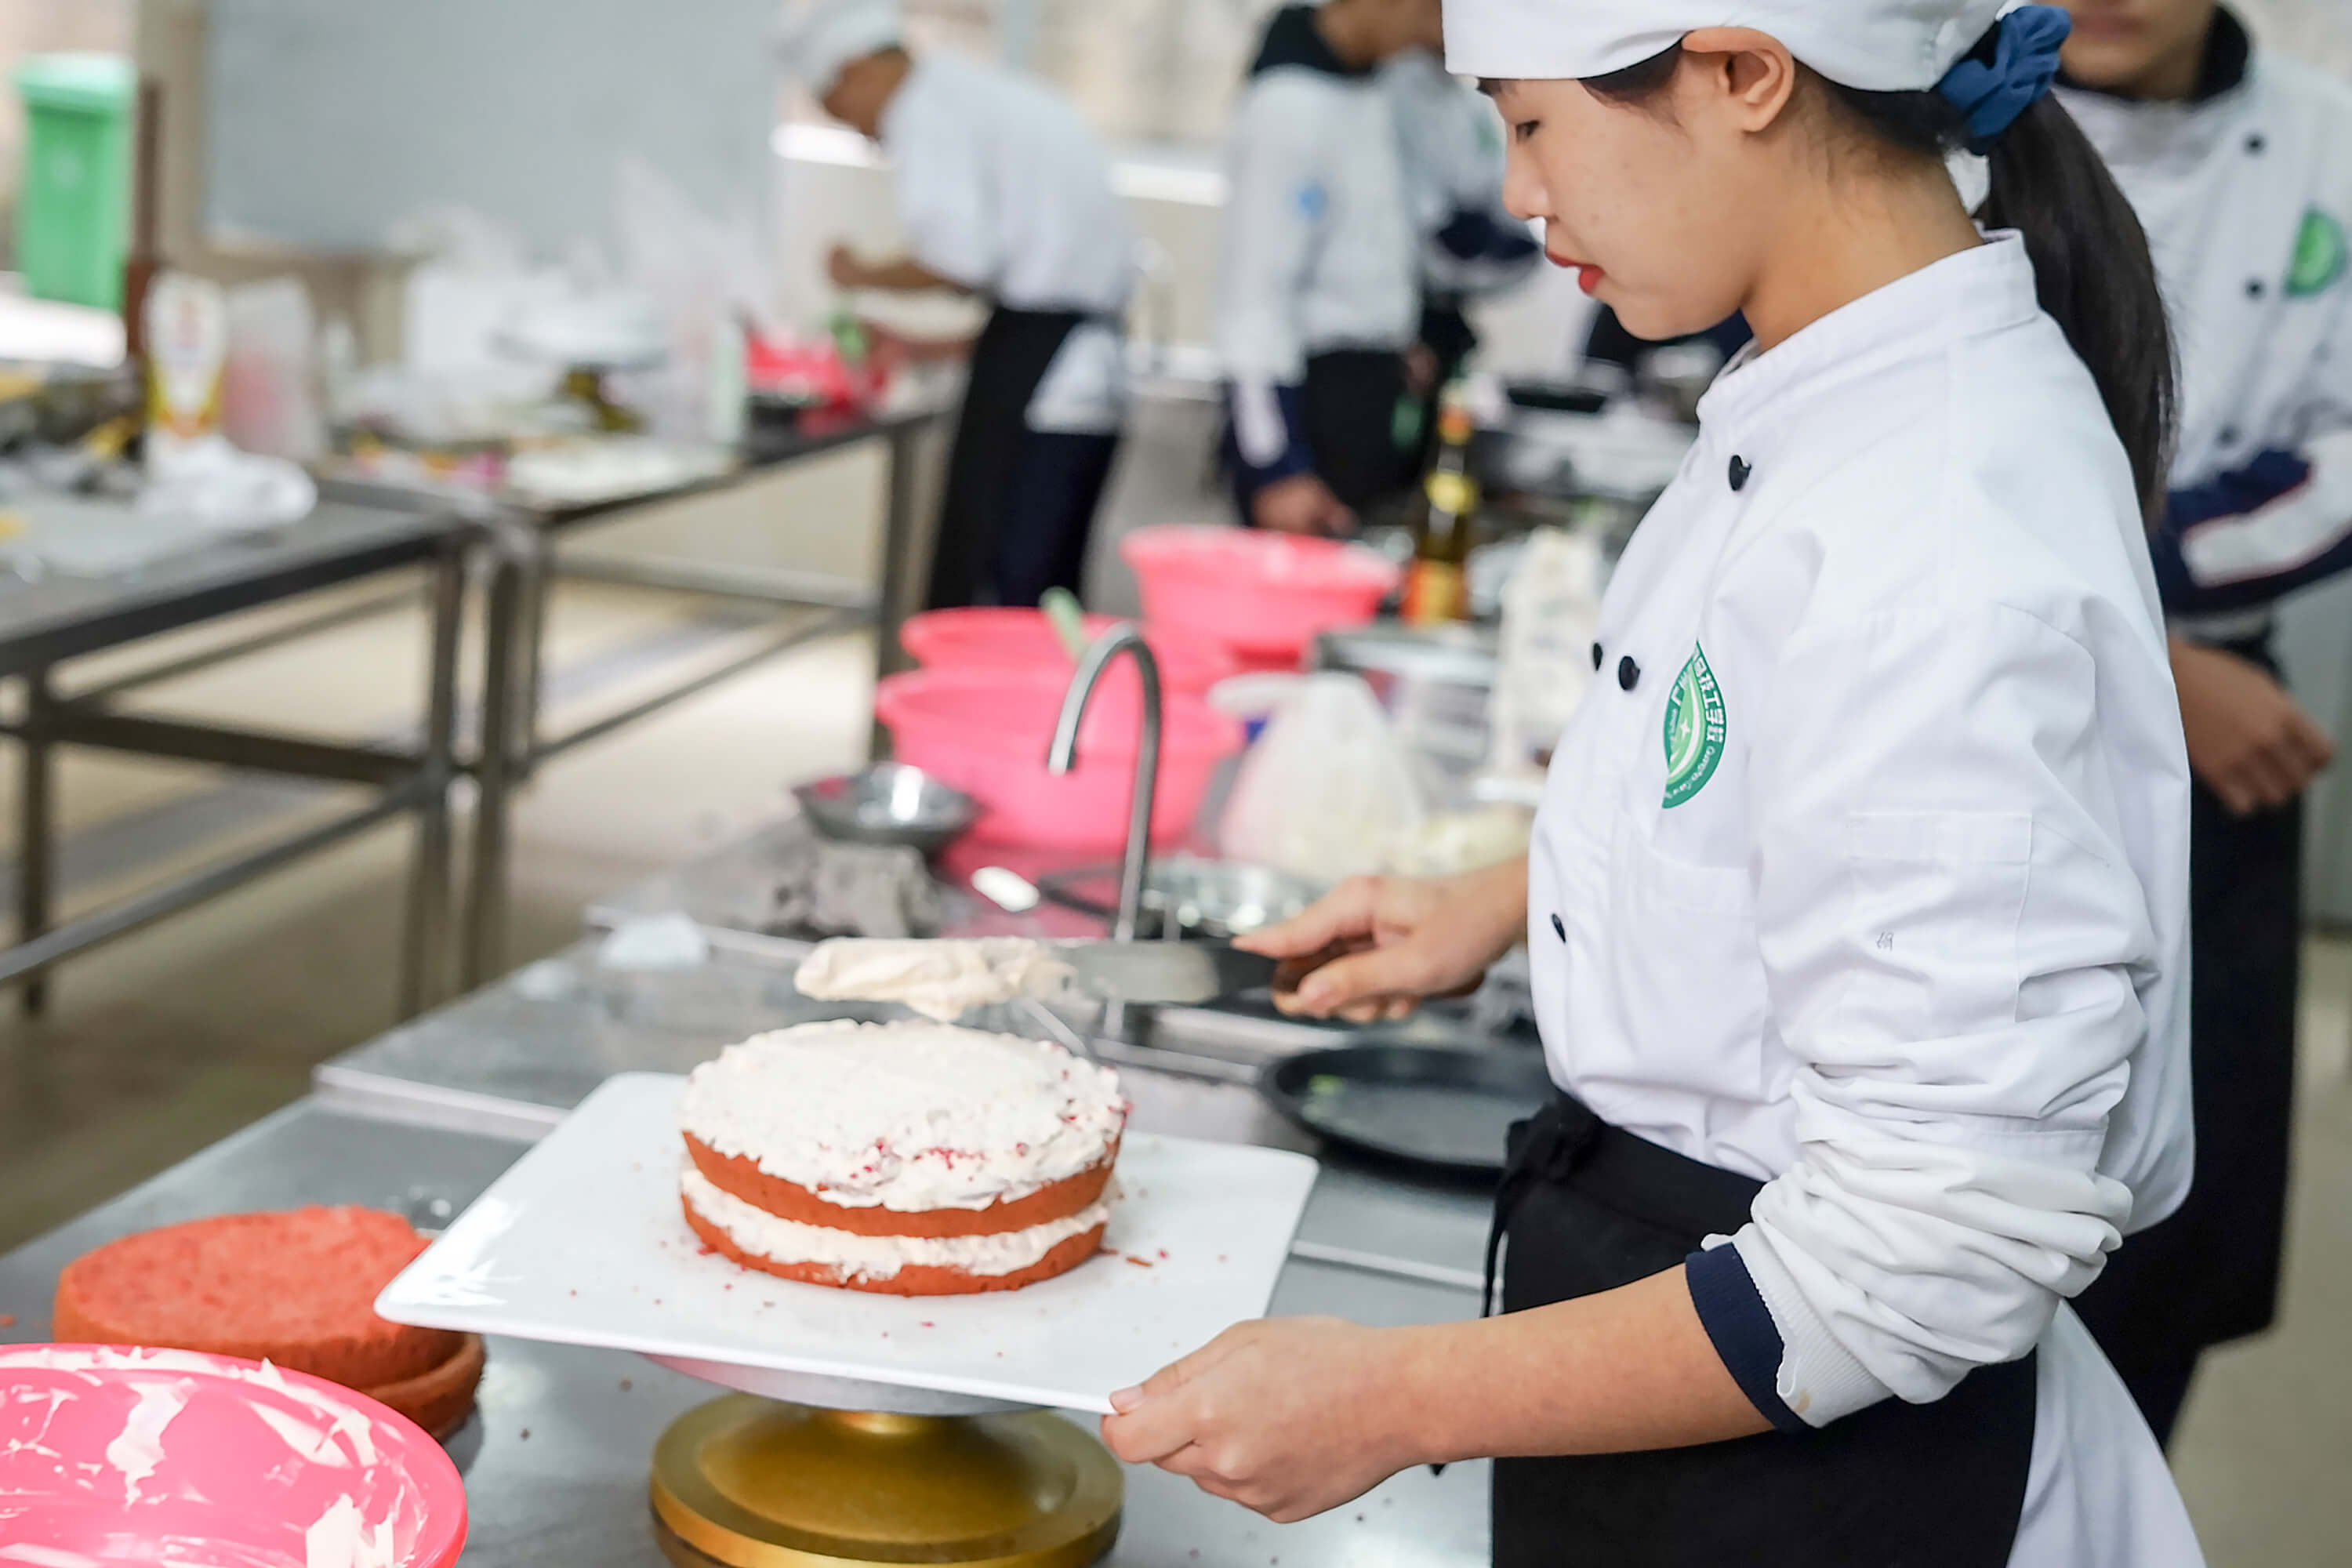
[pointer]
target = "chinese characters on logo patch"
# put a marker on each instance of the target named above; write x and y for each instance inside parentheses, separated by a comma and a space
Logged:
(1694, 730)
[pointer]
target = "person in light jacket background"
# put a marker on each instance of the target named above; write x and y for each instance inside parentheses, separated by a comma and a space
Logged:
(1450, 148)
(1002, 191)
(2239, 164)
(1319, 290)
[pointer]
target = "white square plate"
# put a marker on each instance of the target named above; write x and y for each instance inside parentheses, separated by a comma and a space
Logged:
(583, 1242)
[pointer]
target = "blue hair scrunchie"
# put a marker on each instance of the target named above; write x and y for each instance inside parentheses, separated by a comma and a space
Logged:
(2025, 64)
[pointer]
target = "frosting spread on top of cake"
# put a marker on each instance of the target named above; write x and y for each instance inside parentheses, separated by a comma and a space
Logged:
(764, 1234)
(940, 980)
(907, 1116)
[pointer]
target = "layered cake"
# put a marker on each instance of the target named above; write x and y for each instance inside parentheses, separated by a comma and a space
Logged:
(909, 1158)
(296, 1289)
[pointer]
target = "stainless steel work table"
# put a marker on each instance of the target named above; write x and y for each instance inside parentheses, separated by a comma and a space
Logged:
(556, 1462)
(47, 623)
(532, 545)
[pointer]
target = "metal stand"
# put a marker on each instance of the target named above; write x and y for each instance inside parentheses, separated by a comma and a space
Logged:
(525, 564)
(756, 1483)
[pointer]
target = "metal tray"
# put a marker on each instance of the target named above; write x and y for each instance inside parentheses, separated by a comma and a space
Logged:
(1429, 1106)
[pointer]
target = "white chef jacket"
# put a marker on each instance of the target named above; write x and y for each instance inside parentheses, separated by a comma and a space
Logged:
(1319, 250)
(1004, 189)
(1450, 151)
(2246, 195)
(1862, 869)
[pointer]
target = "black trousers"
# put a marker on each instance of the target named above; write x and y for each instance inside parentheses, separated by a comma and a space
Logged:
(1020, 503)
(2210, 1273)
(1586, 1207)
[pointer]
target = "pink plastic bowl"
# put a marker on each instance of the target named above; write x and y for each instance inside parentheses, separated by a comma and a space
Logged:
(1190, 661)
(986, 732)
(110, 1457)
(1264, 595)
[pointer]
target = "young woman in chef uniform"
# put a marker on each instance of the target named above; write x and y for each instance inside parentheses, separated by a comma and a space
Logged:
(1857, 903)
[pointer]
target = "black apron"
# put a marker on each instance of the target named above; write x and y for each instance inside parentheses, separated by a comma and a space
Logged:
(1348, 414)
(1019, 504)
(2210, 1273)
(1349, 407)
(1586, 1207)
(1451, 339)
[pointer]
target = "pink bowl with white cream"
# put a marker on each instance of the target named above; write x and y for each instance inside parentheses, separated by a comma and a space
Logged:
(115, 1457)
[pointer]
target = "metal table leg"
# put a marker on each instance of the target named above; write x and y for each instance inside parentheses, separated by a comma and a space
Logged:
(484, 938)
(425, 950)
(898, 563)
(538, 582)
(36, 828)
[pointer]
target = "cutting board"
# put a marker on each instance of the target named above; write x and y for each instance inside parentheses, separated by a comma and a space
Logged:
(583, 1242)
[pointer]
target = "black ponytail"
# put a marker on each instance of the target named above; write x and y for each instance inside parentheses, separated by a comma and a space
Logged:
(2091, 270)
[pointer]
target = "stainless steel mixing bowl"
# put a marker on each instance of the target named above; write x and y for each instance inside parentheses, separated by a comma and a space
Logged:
(889, 803)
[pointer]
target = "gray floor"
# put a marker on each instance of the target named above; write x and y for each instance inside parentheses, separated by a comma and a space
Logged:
(181, 1034)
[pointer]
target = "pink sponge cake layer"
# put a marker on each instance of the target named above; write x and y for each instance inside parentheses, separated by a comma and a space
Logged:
(740, 1177)
(908, 1279)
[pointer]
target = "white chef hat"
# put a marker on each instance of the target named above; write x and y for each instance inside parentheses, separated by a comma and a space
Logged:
(1877, 46)
(816, 38)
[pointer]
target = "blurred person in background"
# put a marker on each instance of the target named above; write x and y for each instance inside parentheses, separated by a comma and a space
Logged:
(1319, 276)
(1608, 343)
(1450, 147)
(2240, 165)
(1002, 191)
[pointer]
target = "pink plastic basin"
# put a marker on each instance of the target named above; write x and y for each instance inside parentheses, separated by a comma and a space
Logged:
(986, 732)
(1264, 595)
(110, 1457)
(991, 638)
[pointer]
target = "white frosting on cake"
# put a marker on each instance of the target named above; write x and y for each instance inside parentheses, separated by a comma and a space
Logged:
(940, 980)
(763, 1234)
(905, 1116)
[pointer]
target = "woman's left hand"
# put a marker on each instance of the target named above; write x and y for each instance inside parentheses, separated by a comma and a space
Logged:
(1286, 1415)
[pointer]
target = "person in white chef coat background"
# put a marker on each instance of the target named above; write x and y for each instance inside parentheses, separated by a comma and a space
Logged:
(1002, 191)
(2239, 164)
(1857, 907)
(1318, 294)
(1450, 151)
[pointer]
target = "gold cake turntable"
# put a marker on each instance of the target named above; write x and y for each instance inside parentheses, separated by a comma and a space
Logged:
(755, 1481)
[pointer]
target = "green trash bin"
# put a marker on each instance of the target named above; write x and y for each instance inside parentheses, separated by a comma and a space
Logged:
(73, 201)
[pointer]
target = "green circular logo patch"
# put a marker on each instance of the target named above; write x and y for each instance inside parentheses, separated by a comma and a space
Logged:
(2321, 255)
(1694, 730)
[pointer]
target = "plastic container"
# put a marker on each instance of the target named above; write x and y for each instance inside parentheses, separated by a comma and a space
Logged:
(1255, 699)
(986, 733)
(118, 1455)
(73, 209)
(1190, 661)
(1264, 595)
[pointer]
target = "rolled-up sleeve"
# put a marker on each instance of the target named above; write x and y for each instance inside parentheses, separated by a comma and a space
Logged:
(1953, 940)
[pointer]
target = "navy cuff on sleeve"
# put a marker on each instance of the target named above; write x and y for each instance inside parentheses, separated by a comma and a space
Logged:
(1294, 456)
(1473, 236)
(2261, 481)
(1741, 1327)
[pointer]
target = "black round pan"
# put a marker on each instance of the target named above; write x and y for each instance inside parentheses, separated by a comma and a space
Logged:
(1446, 1110)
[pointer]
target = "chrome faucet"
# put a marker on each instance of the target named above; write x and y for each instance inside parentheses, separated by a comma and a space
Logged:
(1063, 757)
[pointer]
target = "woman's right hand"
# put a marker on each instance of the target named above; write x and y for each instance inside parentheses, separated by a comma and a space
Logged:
(1377, 948)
